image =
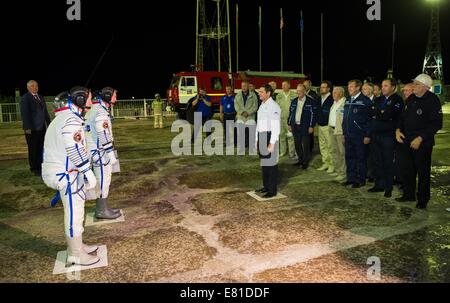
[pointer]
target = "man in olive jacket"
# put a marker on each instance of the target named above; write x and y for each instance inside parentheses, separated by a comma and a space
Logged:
(246, 106)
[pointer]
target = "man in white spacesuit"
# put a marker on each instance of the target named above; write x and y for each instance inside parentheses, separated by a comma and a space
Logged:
(66, 168)
(99, 140)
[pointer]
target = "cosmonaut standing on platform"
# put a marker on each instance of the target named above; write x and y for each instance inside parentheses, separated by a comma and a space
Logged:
(66, 168)
(100, 139)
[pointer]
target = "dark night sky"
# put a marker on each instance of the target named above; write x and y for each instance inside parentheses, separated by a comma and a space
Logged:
(154, 39)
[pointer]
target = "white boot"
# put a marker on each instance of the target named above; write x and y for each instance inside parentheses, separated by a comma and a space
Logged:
(90, 249)
(323, 167)
(76, 254)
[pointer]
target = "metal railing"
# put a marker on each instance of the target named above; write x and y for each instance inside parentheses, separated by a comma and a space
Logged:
(136, 108)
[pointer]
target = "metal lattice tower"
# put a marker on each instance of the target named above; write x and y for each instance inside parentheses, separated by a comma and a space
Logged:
(213, 49)
(433, 58)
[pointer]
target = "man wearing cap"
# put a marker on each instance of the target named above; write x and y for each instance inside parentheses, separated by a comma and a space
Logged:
(157, 107)
(421, 120)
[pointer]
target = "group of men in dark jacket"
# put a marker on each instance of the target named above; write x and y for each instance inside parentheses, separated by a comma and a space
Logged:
(396, 134)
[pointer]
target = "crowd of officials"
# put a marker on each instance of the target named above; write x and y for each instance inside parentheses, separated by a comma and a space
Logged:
(373, 133)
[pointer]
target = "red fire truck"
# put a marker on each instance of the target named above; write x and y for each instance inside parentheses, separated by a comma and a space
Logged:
(186, 85)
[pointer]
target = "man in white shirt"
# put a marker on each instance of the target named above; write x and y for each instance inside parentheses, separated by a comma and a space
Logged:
(267, 141)
(336, 133)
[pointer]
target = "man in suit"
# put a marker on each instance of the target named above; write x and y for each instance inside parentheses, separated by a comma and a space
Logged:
(35, 119)
(311, 93)
(302, 120)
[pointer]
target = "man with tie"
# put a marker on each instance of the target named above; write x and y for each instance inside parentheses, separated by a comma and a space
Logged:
(302, 120)
(35, 120)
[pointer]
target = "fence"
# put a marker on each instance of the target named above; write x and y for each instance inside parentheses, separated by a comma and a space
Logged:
(10, 112)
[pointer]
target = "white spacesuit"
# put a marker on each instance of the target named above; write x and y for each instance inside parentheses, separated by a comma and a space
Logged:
(66, 168)
(101, 151)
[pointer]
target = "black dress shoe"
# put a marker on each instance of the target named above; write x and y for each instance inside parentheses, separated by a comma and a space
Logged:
(297, 164)
(405, 199)
(388, 194)
(269, 195)
(305, 167)
(347, 183)
(371, 180)
(376, 190)
(356, 185)
(421, 206)
(261, 191)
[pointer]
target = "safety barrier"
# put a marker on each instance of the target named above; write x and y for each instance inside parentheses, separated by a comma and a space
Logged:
(135, 108)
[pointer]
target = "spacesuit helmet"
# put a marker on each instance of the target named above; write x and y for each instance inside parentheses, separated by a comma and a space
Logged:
(108, 94)
(79, 96)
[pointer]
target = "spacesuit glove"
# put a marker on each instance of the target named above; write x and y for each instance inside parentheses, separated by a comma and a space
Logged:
(91, 180)
(112, 158)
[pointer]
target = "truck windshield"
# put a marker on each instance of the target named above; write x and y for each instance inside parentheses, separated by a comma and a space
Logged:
(175, 81)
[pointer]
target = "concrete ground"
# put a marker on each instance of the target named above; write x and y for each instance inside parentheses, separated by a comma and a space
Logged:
(188, 219)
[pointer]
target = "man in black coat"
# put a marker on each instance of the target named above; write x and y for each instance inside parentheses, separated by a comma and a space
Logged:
(312, 94)
(422, 118)
(35, 120)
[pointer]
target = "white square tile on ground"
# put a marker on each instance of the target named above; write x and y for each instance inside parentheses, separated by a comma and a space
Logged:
(61, 257)
(91, 220)
(261, 199)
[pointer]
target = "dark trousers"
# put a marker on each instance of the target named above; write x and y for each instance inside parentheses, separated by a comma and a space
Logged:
(415, 163)
(270, 178)
(311, 143)
(370, 161)
(269, 168)
(356, 159)
(397, 168)
(35, 142)
(229, 133)
(382, 151)
(302, 145)
(198, 132)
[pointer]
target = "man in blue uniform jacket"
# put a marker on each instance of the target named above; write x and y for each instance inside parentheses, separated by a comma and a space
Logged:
(302, 120)
(356, 126)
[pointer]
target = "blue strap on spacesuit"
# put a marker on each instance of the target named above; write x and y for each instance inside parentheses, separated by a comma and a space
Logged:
(57, 197)
(101, 167)
(63, 175)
